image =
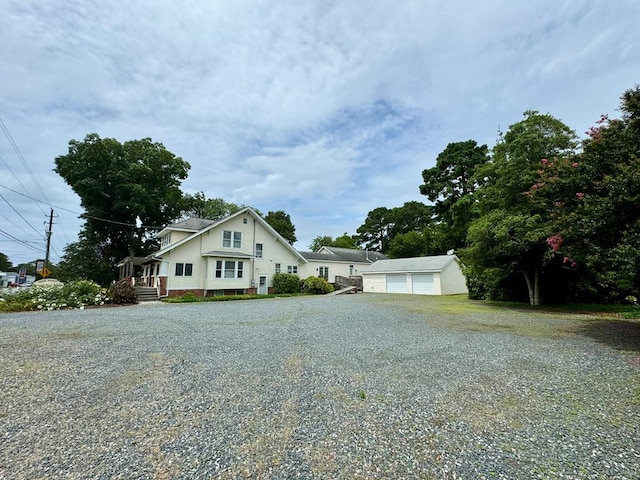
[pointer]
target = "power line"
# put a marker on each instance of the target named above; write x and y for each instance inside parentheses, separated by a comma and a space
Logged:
(22, 159)
(21, 242)
(82, 215)
(20, 215)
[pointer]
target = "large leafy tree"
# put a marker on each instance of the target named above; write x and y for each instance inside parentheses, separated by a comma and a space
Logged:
(127, 191)
(450, 185)
(510, 234)
(594, 203)
(373, 234)
(281, 223)
(383, 224)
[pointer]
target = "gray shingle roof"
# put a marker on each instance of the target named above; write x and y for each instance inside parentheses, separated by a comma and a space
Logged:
(415, 264)
(336, 254)
(193, 224)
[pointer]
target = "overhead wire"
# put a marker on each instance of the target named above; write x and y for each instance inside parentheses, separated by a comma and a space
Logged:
(22, 159)
(83, 215)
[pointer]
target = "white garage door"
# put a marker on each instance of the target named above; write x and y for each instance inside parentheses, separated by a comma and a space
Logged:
(397, 283)
(423, 283)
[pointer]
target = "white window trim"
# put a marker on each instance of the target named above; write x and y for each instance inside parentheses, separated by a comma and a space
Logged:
(238, 270)
(233, 237)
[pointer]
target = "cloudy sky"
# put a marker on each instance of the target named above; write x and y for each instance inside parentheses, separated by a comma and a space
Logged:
(323, 109)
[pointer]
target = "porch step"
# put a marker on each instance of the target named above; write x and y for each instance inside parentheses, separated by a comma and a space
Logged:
(147, 294)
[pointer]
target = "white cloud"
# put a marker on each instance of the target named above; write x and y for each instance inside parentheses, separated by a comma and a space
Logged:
(301, 105)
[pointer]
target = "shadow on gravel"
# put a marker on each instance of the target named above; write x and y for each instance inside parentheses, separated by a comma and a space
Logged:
(618, 334)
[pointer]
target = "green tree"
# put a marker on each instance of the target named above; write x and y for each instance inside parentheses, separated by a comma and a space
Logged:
(84, 260)
(5, 264)
(281, 223)
(199, 206)
(320, 241)
(594, 200)
(344, 241)
(127, 191)
(374, 233)
(510, 235)
(383, 224)
(405, 245)
(451, 183)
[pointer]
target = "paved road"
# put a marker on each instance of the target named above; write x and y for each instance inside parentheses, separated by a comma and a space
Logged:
(346, 387)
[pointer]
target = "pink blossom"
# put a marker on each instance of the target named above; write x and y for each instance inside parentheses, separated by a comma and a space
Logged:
(545, 161)
(580, 195)
(554, 242)
(575, 164)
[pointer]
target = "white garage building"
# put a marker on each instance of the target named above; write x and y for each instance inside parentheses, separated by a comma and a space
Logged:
(437, 275)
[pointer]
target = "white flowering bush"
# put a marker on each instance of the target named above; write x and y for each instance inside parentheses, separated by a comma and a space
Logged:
(79, 294)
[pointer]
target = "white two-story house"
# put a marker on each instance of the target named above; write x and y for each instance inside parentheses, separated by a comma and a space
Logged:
(235, 255)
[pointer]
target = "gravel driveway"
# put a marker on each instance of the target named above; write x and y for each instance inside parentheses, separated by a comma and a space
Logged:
(354, 386)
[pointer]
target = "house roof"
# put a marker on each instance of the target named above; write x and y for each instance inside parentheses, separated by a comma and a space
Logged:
(347, 255)
(189, 225)
(212, 224)
(415, 264)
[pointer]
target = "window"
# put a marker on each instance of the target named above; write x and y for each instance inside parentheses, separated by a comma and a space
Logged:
(229, 269)
(292, 269)
(184, 269)
(323, 272)
(166, 240)
(258, 250)
(231, 239)
(277, 268)
(350, 270)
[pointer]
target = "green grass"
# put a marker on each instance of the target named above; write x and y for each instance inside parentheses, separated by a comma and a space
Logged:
(615, 325)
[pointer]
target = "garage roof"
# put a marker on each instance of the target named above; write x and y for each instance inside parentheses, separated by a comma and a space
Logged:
(415, 264)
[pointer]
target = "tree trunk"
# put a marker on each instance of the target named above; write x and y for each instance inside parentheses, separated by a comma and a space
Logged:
(533, 286)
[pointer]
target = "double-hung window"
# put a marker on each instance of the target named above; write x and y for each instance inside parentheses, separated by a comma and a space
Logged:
(277, 268)
(292, 269)
(184, 269)
(231, 239)
(229, 269)
(258, 250)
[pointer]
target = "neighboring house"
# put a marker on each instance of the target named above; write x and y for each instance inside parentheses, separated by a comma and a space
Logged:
(329, 262)
(235, 255)
(437, 275)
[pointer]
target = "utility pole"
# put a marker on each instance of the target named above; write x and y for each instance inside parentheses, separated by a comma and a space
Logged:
(48, 233)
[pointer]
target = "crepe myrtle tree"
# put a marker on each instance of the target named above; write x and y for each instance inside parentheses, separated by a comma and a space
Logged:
(593, 201)
(509, 235)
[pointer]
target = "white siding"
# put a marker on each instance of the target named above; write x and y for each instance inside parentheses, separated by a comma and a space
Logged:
(340, 269)
(453, 280)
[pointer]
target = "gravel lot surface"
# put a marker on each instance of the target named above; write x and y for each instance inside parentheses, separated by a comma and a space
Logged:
(348, 387)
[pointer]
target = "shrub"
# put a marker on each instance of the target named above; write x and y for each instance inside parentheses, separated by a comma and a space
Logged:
(123, 292)
(72, 295)
(316, 285)
(286, 283)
